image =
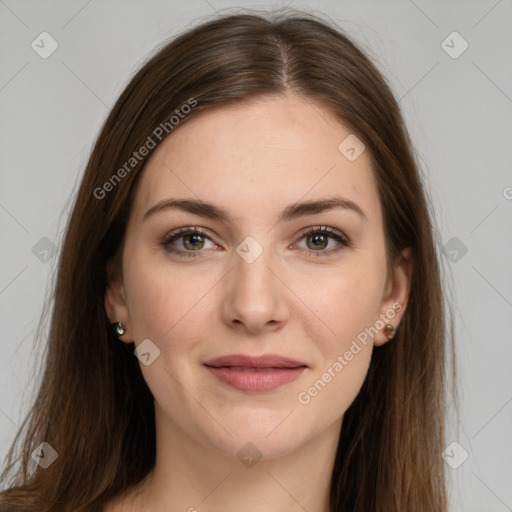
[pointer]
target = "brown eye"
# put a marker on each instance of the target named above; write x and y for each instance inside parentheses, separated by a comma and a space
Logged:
(318, 241)
(318, 238)
(193, 242)
(187, 241)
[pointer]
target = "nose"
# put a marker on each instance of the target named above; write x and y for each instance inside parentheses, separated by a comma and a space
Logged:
(256, 298)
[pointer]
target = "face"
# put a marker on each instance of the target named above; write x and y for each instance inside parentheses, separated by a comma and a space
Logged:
(268, 277)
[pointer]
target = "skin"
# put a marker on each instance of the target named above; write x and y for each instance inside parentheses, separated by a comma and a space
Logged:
(253, 159)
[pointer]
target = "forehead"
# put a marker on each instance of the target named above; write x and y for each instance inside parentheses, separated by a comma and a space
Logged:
(257, 156)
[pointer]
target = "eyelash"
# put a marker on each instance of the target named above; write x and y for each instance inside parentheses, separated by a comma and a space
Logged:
(323, 230)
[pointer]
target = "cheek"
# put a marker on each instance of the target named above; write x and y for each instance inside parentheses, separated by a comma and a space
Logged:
(345, 302)
(332, 390)
(167, 309)
(346, 307)
(166, 305)
(149, 300)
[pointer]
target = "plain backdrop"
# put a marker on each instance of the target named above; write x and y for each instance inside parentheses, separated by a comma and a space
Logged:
(449, 65)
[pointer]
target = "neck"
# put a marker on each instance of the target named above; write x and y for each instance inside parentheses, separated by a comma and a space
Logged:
(202, 478)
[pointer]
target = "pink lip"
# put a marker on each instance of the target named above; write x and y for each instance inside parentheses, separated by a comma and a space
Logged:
(248, 373)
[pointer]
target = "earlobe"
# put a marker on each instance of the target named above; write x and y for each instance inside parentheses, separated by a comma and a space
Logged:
(117, 309)
(396, 297)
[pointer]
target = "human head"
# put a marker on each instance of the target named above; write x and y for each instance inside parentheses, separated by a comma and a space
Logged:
(252, 161)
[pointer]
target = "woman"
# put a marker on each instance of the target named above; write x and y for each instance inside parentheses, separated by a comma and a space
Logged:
(248, 311)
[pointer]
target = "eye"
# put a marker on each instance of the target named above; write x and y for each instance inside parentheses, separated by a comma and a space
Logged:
(317, 240)
(192, 241)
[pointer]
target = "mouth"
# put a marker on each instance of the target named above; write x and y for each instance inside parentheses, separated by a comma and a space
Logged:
(255, 374)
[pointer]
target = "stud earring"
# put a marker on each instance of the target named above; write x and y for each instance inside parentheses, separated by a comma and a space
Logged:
(118, 328)
(389, 330)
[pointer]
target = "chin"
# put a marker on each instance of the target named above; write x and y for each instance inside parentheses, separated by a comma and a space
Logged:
(264, 443)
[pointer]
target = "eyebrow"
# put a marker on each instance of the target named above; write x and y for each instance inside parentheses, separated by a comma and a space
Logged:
(293, 211)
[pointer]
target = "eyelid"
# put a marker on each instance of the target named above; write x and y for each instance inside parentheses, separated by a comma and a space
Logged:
(185, 230)
(176, 233)
(323, 229)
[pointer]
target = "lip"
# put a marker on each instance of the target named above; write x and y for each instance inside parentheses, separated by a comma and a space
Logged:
(255, 374)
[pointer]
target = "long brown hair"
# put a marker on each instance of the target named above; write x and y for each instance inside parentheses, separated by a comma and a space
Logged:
(93, 405)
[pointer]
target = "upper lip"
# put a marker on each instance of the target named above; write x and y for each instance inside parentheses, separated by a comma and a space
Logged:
(265, 361)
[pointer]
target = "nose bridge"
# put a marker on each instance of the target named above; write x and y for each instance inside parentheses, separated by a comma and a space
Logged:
(255, 294)
(252, 261)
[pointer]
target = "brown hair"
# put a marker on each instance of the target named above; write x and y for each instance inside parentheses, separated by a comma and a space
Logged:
(93, 405)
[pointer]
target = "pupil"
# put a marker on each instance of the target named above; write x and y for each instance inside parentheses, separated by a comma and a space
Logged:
(320, 238)
(191, 239)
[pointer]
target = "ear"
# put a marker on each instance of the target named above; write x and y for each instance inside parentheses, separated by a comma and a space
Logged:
(116, 307)
(396, 294)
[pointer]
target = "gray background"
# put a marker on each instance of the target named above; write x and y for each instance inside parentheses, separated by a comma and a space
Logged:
(459, 114)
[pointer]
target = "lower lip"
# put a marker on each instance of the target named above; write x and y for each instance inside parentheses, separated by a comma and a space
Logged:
(262, 379)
